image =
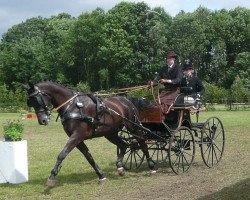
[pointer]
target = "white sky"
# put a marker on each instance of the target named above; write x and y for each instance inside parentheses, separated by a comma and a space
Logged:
(16, 11)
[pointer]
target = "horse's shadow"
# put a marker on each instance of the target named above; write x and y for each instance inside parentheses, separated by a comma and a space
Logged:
(86, 177)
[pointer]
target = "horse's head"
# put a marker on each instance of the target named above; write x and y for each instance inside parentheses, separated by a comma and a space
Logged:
(41, 102)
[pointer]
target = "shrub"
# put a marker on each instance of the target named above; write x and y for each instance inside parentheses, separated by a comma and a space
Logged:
(214, 94)
(13, 130)
(239, 91)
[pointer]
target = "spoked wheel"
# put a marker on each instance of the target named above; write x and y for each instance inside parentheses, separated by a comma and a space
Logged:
(157, 151)
(134, 156)
(212, 141)
(181, 150)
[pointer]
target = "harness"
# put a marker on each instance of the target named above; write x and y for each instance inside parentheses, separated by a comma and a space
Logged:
(79, 114)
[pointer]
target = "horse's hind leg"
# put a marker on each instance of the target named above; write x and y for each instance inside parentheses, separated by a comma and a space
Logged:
(85, 151)
(122, 146)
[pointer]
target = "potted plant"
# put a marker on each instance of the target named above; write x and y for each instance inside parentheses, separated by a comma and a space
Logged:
(13, 154)
(13, 130)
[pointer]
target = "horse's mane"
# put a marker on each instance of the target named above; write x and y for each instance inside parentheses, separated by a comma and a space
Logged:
(90, 95)
(51, 82)
(63, 86)
(141, 103)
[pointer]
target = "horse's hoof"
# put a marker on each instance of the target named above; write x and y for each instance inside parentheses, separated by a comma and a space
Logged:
(121, 171)
(51, 183)
(152, 172)
(103, 180)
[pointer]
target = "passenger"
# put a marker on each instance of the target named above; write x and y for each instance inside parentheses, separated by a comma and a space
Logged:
(170, 76)
(192, 81)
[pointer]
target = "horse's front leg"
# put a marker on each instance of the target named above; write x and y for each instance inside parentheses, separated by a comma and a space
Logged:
(85, 151)
(151, 163)
(71, 144)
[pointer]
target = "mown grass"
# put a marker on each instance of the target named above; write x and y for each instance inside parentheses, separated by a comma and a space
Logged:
(77, 180)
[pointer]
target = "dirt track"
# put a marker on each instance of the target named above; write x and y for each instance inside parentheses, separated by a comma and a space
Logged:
(230, 180)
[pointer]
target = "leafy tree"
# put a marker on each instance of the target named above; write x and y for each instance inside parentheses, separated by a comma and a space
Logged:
(135, 43)
(190, 34)
(238, 91)
(87, 41)
(126, 45)
(23, 61)
(214, 94)
(33, 27)
(20, 55)
(59, 49)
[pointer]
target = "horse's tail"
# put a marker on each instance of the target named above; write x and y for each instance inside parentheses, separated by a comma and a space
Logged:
(140, 103)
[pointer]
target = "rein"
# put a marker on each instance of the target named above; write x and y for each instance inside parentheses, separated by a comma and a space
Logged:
(123, 90)
(132, 88)
(158, 100)
(63, 104)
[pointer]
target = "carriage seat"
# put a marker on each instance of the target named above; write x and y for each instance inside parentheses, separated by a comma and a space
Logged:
(186, 98)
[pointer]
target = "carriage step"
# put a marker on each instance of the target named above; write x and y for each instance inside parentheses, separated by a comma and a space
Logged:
(150, 142)
(198, 125)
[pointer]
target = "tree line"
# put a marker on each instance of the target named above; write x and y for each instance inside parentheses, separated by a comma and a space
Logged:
(126, 45)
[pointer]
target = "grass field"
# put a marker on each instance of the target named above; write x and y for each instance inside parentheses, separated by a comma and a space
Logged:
(77, 180)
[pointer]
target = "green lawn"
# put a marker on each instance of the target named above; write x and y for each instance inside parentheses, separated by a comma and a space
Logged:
(77, 180)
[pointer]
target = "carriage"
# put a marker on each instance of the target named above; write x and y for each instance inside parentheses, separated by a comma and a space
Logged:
(172, 139)
(148, 134)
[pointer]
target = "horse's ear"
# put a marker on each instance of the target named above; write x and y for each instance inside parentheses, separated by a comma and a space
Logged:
(31, 85)
(25, 86)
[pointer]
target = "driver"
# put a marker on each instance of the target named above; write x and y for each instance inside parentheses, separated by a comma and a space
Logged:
(170, 76)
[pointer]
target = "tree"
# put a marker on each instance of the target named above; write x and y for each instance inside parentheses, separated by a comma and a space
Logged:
(20, 53)
(239, 92)
(126, 45)
(87, 41)
(190, 34)
(59, 46)
(135, 42)
(214, 94)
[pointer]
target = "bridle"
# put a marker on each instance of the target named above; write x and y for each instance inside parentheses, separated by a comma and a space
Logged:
(39, 95)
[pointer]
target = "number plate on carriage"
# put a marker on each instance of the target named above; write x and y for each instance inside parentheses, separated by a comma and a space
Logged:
(151, 115)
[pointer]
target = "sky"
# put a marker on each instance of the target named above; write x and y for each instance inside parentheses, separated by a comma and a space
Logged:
(14, 12)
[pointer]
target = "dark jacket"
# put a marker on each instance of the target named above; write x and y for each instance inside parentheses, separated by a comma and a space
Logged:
(174, 74)
(195, 83)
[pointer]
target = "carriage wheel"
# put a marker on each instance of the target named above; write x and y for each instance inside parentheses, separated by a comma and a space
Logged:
(134, 156)
(181, 150)
(212, 141)
(157, 151)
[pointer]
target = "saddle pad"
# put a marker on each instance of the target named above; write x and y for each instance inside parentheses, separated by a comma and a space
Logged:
(151, 115)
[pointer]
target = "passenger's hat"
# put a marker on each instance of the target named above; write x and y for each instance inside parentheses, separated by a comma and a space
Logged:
(187, 66)
(171, 54)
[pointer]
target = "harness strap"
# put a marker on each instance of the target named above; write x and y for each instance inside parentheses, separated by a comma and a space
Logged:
(63, 104)
(77, 116)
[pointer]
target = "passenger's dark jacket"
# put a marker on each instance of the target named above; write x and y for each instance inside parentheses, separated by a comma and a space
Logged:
(174, 74)
(195, 83)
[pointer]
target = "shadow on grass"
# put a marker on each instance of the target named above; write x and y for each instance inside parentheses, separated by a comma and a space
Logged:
(85, 178)
(240, 190)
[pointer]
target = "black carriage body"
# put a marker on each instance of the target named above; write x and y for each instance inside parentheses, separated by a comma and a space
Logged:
(174, 135)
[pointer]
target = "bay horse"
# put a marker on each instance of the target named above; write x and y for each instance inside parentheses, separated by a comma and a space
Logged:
(83, 117)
